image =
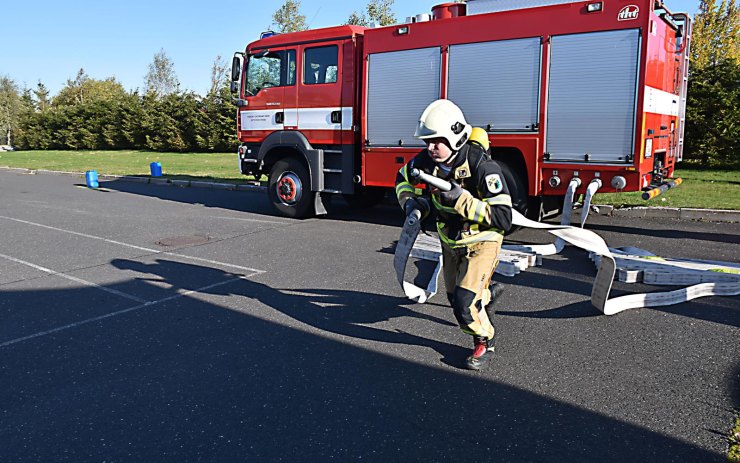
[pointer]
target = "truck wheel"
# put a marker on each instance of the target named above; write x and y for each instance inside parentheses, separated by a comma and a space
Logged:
(365, 197)
(289, 188)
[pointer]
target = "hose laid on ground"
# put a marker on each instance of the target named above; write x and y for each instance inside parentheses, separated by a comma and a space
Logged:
(580, 237)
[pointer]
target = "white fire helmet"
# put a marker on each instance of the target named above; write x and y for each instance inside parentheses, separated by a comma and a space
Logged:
(443, 119)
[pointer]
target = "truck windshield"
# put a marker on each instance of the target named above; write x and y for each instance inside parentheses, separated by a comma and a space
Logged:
(270, 70)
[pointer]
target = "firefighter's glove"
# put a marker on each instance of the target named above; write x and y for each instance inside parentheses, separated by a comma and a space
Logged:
(449, 198)
(414, 179)
(422, 204)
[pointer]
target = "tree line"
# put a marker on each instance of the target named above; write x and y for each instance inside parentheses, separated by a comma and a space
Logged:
(89, 114)
(713, 107)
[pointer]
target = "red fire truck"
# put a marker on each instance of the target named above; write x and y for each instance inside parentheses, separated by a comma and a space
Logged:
(564, 89)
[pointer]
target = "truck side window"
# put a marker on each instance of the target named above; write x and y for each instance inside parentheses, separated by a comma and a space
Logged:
(320, 65)
(271, 69)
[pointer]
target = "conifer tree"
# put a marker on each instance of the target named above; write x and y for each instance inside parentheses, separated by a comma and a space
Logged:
(713, 106)
(42, 97)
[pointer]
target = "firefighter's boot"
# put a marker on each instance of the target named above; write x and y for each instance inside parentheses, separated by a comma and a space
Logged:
(482, 353)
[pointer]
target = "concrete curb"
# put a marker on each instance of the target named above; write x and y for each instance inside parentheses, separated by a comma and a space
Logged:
(687, 213)
(708, 214)
(145, 179)
(18, 170)
(705, 215)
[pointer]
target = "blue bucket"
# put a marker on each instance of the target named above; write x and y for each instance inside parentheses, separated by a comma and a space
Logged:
(156, 169)
(91, 178)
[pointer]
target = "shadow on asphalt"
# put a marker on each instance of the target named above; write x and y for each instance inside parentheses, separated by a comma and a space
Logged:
(257, 202)
(389, 214)
(190, 380)
(729, 238)
(386, 213)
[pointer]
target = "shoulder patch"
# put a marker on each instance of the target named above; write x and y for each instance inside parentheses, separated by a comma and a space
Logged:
(462, 171)
(494, 183)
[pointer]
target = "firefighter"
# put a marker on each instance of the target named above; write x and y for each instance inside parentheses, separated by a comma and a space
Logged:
(471, 218)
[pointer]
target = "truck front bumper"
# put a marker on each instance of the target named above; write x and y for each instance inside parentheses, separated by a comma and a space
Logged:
(248, 162)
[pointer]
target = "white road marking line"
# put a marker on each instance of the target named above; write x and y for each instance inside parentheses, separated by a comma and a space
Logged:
(84, 235)
(140, 248)
(120, 312)
(75, 279)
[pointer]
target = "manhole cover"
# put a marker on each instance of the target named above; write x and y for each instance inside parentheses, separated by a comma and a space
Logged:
(176, 241)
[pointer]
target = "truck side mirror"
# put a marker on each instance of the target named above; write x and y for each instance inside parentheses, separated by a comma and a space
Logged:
(234, 87)
(236, 68)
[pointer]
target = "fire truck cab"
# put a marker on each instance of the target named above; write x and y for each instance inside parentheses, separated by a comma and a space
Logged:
(587, 90)
(297, 118)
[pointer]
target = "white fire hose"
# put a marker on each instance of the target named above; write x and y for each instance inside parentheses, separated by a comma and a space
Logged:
(593, 187)
(580, 237)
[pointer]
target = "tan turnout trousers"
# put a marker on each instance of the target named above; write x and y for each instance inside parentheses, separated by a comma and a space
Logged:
(467, 273)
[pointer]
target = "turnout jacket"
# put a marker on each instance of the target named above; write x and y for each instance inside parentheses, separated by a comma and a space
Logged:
(483, 210)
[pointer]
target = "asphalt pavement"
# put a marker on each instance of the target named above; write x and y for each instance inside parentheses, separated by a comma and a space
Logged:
(149, 323)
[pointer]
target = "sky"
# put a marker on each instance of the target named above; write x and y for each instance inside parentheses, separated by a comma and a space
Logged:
(49, 41)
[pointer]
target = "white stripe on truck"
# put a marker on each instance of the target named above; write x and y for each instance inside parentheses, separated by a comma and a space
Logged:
(303, 118)
(660, 102)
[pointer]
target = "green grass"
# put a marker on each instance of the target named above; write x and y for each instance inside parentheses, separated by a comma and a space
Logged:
(734, 452)
(196, 166)
(704, 189)
(712, 189)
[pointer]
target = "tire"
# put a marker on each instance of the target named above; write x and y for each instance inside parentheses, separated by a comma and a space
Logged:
(365, 197)
(289, 188)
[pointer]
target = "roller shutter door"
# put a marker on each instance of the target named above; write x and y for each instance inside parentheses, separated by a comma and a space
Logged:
(497, 83)
(591, 97)
(401, 84)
